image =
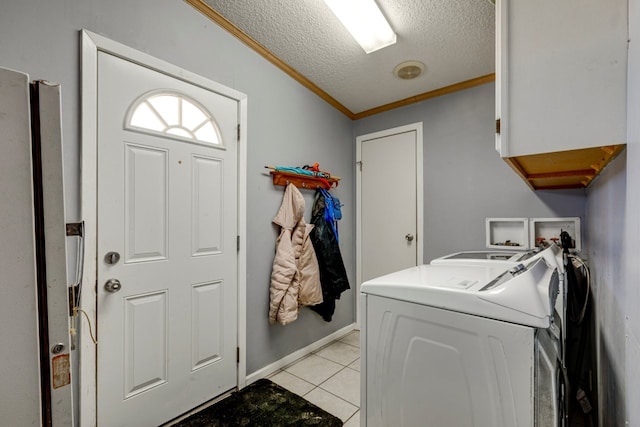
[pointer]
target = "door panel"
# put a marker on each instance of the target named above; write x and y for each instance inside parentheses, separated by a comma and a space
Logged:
(145, 337)
(389, 207)
(206, 233)
(146, 198)
(207, 345)
(167, 202)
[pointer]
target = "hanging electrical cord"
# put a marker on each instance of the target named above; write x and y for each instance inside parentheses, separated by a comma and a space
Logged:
(585, 269)
(79, 268)
(76, 310)
(77, 230)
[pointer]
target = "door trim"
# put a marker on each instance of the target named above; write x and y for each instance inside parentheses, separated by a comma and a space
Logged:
(417, 127)
(92, 44)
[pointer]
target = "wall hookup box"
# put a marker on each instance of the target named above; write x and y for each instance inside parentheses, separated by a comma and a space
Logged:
(528, 233)
(543, 231)
(508, 233)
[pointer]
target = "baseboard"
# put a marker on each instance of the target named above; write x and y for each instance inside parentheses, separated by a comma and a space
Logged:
(279, 364)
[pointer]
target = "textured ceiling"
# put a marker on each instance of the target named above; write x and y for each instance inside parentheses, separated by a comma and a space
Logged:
(453, 38)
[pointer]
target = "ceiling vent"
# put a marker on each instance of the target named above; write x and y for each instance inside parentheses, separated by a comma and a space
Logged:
(408, 70)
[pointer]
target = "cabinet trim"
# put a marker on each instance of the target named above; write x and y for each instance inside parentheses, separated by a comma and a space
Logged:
(563, 169)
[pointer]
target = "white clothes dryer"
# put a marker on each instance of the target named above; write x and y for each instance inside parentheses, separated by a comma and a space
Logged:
(461, 346)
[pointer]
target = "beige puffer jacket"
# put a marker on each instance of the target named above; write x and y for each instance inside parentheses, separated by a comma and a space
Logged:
(295, 278)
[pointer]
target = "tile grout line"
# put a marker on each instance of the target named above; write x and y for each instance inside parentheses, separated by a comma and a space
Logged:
(339, 363)
(333, 394)
(294, 375)
(354, 414)
(319, 386)
(337, 397)
(326, 391)
(323, 381)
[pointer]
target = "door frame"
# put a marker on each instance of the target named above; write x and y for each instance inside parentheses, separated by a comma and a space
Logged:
(92, 44)
(417, 127)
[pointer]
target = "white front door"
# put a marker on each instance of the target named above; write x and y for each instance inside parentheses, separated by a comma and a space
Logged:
(166, 247)
(389, 187)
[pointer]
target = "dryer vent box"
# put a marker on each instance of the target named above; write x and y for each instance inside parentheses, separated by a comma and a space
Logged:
(543, 231)
(508, 233)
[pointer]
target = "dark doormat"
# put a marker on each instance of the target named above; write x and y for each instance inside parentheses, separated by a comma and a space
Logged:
(262, 404)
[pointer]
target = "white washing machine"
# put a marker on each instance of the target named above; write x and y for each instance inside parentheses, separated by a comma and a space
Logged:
(461, 346)
(509, 259)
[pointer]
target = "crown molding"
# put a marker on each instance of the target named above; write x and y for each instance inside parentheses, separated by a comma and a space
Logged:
(212, 14)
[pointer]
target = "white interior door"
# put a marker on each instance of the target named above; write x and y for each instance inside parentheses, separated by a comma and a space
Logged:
(389, 186)
(166, 250)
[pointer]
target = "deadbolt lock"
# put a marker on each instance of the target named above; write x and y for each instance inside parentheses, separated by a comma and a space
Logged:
(112, 258)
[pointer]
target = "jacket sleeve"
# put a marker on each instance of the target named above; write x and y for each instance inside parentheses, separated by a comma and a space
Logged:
(310, 291)
(283, 292)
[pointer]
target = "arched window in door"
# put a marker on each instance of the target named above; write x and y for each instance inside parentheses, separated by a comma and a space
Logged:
(173, 114)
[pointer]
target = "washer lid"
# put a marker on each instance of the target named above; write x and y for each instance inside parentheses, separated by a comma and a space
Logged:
(523, 294)
(503, 259)
(478, 256)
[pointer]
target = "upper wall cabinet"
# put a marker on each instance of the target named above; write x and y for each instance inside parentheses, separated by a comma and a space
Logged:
(561, 73)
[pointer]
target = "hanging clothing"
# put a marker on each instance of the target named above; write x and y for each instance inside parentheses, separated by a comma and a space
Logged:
(333, 275)
(295, 278)
(332, 211)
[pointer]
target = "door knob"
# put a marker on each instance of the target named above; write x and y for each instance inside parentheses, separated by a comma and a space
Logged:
(112, 285)
(409, 237)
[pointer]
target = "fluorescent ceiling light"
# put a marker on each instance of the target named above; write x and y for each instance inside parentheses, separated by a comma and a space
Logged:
(365, 22)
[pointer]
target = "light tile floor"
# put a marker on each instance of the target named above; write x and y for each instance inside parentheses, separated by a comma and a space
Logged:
(328, 378)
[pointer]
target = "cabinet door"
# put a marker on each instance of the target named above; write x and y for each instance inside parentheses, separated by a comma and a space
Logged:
(561, 70)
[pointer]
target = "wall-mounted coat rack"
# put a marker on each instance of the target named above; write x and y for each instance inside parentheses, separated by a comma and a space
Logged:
(303, 181)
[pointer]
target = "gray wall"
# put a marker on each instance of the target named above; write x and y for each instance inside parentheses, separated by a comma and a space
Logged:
(465, 181)
(606, 211)
(288, 125)
(632, 225)
(613, 217)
